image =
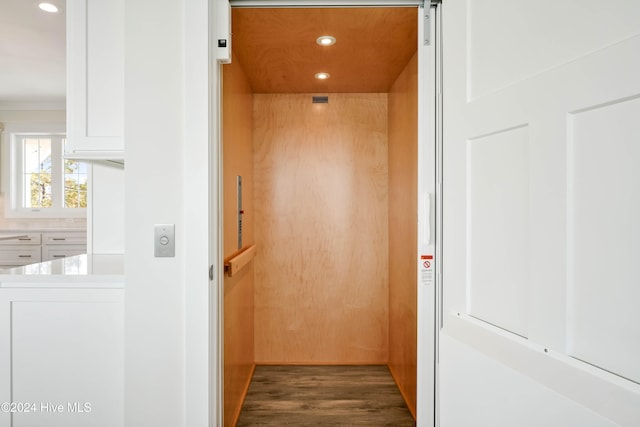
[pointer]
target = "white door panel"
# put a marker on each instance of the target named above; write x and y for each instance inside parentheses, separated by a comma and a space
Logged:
(498, 233)
(515, 40)
(541, 131)
(604, 237)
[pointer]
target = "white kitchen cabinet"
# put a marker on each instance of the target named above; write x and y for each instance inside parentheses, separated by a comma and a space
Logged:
(64, 238)
(51, 252)
(62, 354)
(20, 255)
(41, 246)
(95, 79)
(22, 251)
(62, 244)
(26, 239)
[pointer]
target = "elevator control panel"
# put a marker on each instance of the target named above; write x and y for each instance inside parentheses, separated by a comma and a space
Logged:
(164, 240)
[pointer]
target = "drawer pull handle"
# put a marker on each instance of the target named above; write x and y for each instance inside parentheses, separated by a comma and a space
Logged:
(59, 256)
(59, 238)
(24, 256)
(25, 238)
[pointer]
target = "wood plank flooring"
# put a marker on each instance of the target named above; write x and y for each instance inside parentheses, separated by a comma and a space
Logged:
(324, 396)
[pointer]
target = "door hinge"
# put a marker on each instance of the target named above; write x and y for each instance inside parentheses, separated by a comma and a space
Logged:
(211, 272)
(427, 17)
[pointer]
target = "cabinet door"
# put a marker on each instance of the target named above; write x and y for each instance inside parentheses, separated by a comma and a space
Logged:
(22, 251)
(95, 79)
(51, 252)
(11, 256)
(28, 239)
(62, 347)
(64, 238)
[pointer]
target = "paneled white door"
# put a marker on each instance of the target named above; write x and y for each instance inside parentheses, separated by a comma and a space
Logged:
(541, 208)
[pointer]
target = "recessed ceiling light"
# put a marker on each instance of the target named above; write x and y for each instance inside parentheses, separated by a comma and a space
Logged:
(48, 7)
(322, 76)
(326, 40)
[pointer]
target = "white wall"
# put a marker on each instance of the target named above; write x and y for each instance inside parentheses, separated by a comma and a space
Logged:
(27, 116)
(154, 301)
(166, 157)
(105, 222)
(199, 205)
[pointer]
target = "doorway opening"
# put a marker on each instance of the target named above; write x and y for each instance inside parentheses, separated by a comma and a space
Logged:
(320, 193)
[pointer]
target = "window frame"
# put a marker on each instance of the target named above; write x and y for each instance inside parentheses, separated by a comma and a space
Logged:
(12, 185)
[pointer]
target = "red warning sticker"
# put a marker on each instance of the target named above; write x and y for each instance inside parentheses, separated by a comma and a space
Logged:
(425, 266)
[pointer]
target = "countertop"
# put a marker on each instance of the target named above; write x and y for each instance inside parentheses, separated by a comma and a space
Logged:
(77, 271)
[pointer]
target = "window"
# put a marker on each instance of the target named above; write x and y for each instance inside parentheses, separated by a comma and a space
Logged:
(42, 183)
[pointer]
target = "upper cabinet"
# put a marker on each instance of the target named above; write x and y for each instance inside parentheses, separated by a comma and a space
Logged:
(95, 79)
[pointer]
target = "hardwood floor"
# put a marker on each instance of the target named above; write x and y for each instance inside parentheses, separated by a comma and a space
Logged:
(323, 396)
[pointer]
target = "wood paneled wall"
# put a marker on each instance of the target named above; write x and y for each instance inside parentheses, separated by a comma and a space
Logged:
(321, 219)
(238, 290)
(403, 206)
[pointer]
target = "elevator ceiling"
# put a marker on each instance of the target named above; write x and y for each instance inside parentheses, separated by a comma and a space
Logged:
(278, 51)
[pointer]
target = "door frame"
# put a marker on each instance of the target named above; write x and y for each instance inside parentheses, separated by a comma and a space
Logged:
(430, 156)
(429, 283)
